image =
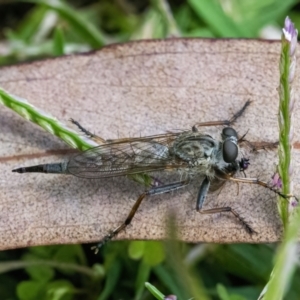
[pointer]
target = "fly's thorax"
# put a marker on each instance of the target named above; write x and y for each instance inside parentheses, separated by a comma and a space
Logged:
(206, 155)
(198, 150)
(145, 153)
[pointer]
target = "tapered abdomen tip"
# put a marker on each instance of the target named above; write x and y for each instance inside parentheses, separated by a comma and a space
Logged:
(55, 168)
(31, 169)
(19, 170)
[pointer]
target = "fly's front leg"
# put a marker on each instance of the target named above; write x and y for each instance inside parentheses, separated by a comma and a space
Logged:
(200, 201)
(263, 184)
(256, 146)
(92, 136)
(224, 122)
(153, 191)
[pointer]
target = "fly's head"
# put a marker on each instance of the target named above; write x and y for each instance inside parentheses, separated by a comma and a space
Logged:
(230, 149)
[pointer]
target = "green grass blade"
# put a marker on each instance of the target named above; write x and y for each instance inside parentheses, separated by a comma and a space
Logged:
(87, 31)
(211, 12)
(58, 42)
(46, 121)
(286, 258)
(154, 291)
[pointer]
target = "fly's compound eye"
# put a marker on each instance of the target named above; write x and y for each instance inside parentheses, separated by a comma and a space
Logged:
(228, 132)
(230, 148)
(230, 151)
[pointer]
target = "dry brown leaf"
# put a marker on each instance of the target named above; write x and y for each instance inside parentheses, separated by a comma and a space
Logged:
(135, 89)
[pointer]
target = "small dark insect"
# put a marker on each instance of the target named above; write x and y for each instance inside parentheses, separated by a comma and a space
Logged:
(188, 152)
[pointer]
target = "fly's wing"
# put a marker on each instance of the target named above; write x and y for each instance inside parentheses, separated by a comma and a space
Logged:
(163, 138)
(124, 158)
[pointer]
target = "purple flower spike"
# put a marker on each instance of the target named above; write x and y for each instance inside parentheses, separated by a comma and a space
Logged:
(294, 203)
(276, 181)
(290, 34)
(170, 297)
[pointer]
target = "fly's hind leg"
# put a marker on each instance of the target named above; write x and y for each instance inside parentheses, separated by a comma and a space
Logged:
(153, 191)
(99, 139)
(92, 136)
(224, 122)
(200, 201)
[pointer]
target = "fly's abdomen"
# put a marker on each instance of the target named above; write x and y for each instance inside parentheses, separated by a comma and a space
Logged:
(56, 168)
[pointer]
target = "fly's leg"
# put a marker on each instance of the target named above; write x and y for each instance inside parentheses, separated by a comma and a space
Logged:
(100, 140)
(153, 191)
(200, 201)
(224, 122)
(256, 146)
(264, 184)
(92, 136)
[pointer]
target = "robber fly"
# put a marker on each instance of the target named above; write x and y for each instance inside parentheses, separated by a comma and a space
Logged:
(189, 152)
